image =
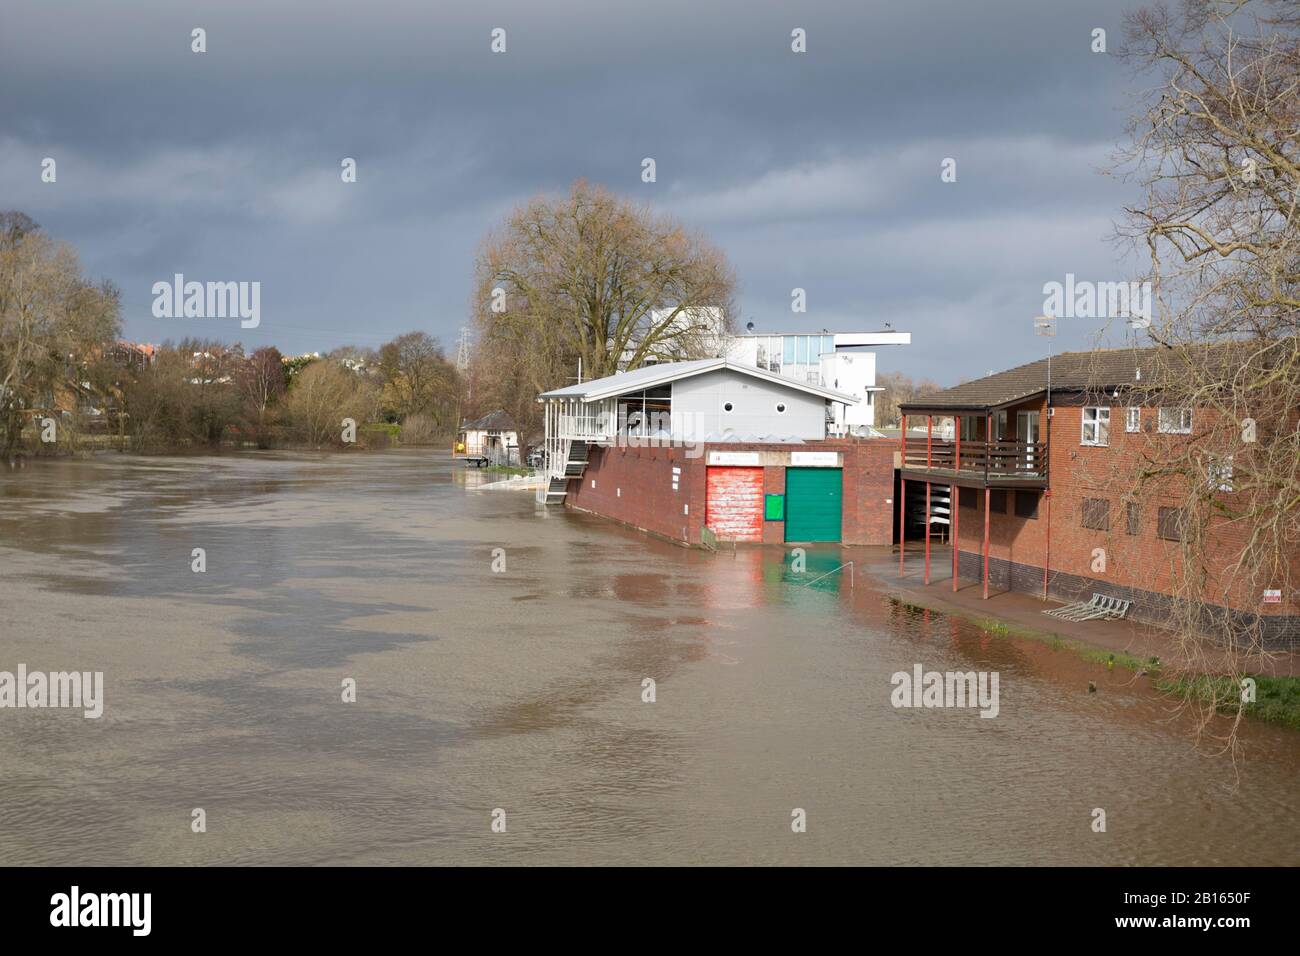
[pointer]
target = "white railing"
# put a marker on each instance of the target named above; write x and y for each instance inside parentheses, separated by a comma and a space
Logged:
(571, 419)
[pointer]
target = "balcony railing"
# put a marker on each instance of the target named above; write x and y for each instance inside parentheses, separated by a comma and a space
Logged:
(991, 459)
(583, 421)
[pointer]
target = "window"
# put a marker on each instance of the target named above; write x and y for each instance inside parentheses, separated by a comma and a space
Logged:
(998, 502)
(780, 408)
(1096, 427)
(1220, 472)
(727, 406)
(1132, 517)
(1175, 421)
(966, 498)
(1169, 524)
(1027, 504)
(1095, 514)
(788, 349)
(1134, 421)
(1000, 425)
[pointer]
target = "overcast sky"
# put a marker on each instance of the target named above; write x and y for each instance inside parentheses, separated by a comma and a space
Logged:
(818, 170)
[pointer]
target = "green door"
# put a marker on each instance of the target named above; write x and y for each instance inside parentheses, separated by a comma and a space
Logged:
(812, 504)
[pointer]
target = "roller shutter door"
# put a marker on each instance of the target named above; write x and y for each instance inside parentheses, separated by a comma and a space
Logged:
(734, 503)
(812, 504)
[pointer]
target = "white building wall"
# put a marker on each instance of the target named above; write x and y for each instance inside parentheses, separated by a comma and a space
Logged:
(699, 410)
(854, 373)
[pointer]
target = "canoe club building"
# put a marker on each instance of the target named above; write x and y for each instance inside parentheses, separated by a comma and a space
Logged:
(1041, 495)
(680, 447)
(676, 447)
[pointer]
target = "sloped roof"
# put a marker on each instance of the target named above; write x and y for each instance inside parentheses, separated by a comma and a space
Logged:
(665, 372)
(1071, 372)
(497, 421)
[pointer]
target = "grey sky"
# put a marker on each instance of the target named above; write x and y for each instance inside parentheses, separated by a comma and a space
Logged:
(818, 170)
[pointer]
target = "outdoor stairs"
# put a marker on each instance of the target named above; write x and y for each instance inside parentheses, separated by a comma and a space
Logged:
(574, 465)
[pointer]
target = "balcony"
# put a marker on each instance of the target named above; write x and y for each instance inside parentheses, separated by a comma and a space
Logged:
(993, 463)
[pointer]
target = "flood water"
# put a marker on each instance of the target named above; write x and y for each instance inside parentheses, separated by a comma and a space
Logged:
(522, 690)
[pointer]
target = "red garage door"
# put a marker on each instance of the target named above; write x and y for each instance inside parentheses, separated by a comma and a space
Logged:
(734, 503)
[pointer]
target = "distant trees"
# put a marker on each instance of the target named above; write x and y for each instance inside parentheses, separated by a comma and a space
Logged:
(323, 394)
(899, 390)
(261, 381)
(593, 278)
(53, 320)
(187, 396)
(420, 387)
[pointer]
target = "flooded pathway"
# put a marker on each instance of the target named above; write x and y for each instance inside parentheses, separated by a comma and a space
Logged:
(522, 690)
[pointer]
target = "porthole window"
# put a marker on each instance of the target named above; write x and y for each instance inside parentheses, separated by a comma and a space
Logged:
(727, 406)
(780, 408)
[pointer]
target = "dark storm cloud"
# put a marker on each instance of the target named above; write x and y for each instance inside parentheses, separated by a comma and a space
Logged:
(819, 170)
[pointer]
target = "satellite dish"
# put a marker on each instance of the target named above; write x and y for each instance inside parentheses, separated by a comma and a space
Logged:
(749, 326)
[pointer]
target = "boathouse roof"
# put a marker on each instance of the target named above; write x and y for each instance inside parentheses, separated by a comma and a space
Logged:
(652, 376)
(1101, 369)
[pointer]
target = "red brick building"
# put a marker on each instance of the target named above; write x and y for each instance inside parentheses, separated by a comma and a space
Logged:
(1041, 506)
(681, 446)
(729, 487)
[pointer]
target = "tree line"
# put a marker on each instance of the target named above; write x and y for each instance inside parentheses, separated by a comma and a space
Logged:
(62, 362)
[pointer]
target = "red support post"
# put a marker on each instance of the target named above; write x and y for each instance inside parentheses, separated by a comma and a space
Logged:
(902, 490)
(1047, 556)
(927, 532)
(954, 506)
(954, 495)
(986, 542)
(902, 520)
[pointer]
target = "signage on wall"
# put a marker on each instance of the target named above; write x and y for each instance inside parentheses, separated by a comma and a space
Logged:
(733, 458)
(1272, 595)
(815, 459)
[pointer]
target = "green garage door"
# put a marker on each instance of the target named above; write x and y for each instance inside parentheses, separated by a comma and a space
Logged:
(812, 504)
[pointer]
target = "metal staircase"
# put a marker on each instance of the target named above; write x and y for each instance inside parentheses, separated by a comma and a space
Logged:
(574, 455)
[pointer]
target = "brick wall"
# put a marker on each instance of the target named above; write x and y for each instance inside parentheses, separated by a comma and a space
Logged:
(635, 486)
(1277, 632)
(1142, 564)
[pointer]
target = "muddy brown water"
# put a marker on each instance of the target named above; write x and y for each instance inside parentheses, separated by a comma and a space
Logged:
(522, 690)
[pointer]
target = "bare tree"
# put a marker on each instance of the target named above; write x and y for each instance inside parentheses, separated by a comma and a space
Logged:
(593, 278)
(898, 390)
(261, 381)
(52, 320)
(325, 393)
(418, 379)
(1218, 155)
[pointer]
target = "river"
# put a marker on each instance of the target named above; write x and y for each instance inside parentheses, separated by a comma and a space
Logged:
(520, 689)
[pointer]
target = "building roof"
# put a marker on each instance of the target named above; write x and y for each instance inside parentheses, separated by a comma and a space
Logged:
(497, 421)
(653, 376)
(1071, 372)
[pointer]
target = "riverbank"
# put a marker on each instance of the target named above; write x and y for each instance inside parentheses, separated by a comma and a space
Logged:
(1142, 649)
